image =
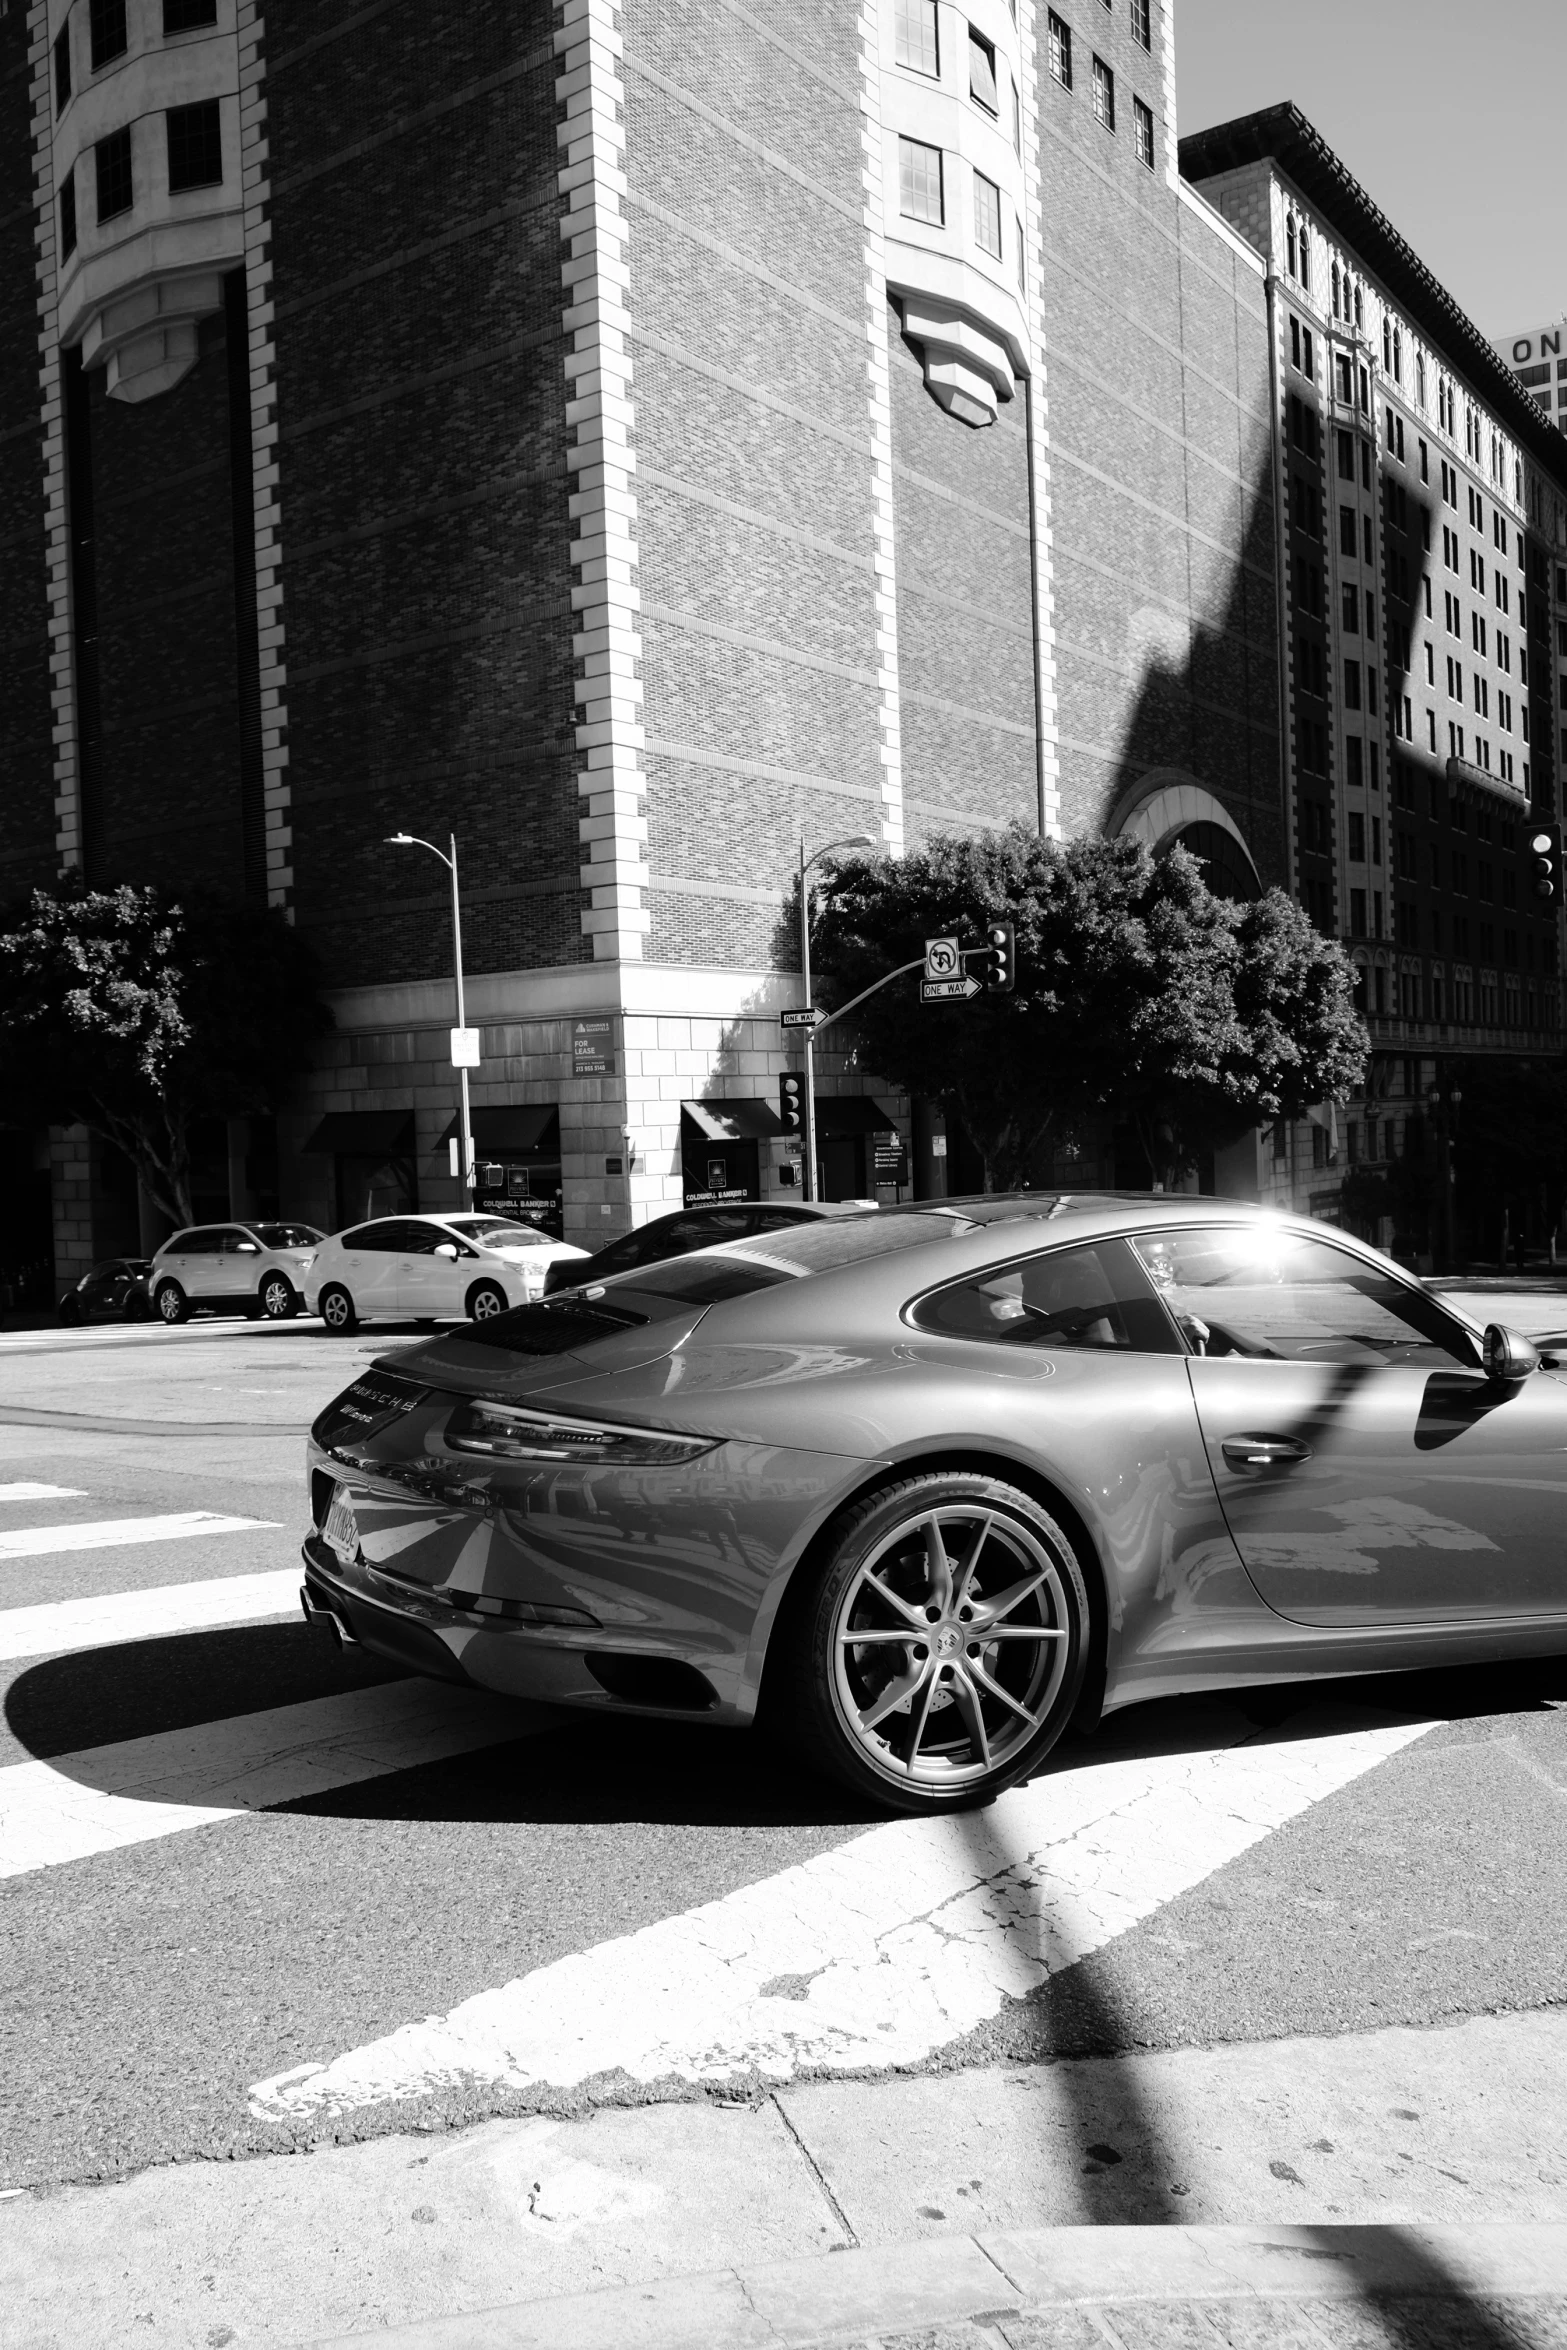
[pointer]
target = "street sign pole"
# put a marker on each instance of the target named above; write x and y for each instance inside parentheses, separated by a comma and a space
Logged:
(808, 1170)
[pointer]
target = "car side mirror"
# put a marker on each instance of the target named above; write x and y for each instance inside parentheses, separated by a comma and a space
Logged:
(448, 1249)
(247, 1248)
(1508, 1357)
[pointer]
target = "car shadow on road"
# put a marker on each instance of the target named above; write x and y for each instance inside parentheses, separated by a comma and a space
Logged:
(604, 1768)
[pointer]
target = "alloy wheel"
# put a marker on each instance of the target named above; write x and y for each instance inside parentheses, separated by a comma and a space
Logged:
(277, 1299)
(949, 1645)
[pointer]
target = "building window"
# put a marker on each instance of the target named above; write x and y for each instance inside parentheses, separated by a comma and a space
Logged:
(195, 146)
(68, 214)
(919, 182)
(1104, 94)
(115, 194)
(1022, 264)
(1142, 23)
(982, 73)
(106, 31)
(915, 38)
(987, 215)
(1142, 131)
(1061, 50)
(62, 68)
(1305, 258)
(1017, 122)
(188, 16)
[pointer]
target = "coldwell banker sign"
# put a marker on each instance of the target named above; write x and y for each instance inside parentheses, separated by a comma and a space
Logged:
(592, 1048)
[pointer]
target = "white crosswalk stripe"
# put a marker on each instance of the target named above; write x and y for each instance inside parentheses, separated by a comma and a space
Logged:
(21, 1490)
(100, 1800)
(32, 1542)
(874, 1955)
(61, 1627)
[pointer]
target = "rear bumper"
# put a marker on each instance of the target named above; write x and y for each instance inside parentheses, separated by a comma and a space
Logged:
(592, 1669)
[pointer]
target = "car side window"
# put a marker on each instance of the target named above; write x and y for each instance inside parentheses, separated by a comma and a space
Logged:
(1095, 1295)
(420, 1240)
(376, 1239)
(199, 1244)
(1263, 1291)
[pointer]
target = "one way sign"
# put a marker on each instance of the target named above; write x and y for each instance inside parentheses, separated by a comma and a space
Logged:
(945, 991)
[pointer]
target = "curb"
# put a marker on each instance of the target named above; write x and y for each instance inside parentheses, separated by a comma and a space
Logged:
(846, 2296)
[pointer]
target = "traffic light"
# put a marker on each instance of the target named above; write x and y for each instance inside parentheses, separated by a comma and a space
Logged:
(1545, 851)
(791, 1101)
(1000, 967)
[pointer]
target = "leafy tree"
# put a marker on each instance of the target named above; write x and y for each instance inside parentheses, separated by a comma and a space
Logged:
(1141, 994)
(135, 1011)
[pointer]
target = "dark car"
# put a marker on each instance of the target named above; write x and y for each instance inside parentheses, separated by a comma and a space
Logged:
(926, 1484)
(686, 1229)
(113, 1291)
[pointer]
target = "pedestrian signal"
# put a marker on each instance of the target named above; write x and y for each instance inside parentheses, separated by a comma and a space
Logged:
(1545, 852)
(1000, 965)
(791, 1101)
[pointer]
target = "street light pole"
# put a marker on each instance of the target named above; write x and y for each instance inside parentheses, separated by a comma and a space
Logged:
(858, 840)
(408, 840)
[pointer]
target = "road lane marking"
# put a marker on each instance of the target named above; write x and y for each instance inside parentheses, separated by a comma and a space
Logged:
(60, 1627)
(107, 1797)
(893, 1945)
(22, 1491)
(33, 1542)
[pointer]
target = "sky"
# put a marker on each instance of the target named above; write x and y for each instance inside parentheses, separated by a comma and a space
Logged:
(1452, 116)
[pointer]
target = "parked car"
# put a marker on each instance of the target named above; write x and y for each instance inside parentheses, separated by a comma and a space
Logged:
(926, 1485)
(676, 1235)
(255, 1269)
(425, 1266)
(113, 1291)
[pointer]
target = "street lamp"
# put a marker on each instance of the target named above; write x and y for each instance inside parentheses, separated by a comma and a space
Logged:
(856, 840)
(464, 1052)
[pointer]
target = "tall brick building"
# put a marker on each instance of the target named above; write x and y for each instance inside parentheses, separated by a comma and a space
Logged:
(1422, 502)
(634, 440)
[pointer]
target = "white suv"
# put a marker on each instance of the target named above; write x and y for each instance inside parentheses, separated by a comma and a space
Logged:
(233, 1269)
(425, 1266)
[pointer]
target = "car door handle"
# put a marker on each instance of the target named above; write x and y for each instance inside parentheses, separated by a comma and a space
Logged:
(1264, 1452)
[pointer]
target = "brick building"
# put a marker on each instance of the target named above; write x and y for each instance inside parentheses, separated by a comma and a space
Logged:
(634, 440)
(1422, 503)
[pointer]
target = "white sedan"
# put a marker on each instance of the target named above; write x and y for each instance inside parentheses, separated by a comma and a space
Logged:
(426, 1266)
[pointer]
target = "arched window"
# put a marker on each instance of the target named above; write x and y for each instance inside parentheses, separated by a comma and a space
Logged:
(1387, 345)
(1420, 377)
(1360, 307)
(1398, 357)
(1305, 258)
(1335, 289)
(1289, 241)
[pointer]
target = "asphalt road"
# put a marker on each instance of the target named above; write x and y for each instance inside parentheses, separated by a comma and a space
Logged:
(146, 1985)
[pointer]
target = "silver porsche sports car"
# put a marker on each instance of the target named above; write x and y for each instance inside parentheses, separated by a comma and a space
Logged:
(920, 1486)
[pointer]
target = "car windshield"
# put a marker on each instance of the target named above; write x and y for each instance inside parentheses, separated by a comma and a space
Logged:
(495, 1233)
(287, 1235)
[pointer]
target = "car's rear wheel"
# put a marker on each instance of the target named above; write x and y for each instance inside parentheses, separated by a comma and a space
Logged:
(172, 1304)
(277, 1298)
(486, 1299)
(938, 1657)
(337, 1310)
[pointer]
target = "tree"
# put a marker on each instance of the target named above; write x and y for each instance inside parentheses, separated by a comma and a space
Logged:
(1141, 994)
(135, 1011)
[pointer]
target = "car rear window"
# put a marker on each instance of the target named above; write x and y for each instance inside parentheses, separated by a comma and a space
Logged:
(555, 1327)
(821, 1247)
(286, 1235)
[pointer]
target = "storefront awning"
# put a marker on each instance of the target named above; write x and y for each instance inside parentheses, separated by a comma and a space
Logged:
(364, 1134)
(851, 1113)
(743, 1121)
(512, 1126)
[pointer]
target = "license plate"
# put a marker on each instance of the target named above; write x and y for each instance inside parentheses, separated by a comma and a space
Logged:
(341, 1530)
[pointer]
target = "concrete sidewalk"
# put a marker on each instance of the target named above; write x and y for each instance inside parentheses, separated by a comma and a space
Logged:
(862, 2210)
(1175, 2288)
